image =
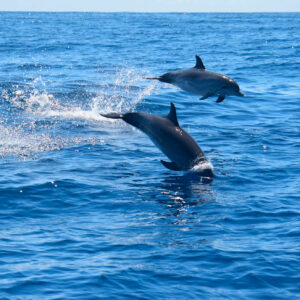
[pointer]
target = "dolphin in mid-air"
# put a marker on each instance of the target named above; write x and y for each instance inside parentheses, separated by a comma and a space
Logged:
(198, 80)
(171, 139)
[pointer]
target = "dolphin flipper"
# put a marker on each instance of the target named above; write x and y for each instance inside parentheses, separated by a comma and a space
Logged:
(206, 96)
(170, 165)
(220, 99)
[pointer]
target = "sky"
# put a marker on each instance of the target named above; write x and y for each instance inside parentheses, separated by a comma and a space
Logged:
(152, 5)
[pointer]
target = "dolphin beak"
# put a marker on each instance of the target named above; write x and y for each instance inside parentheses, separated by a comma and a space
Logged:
(157, 78)
(240, 94)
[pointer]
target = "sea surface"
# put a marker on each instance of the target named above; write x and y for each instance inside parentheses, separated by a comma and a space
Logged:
(87, 209)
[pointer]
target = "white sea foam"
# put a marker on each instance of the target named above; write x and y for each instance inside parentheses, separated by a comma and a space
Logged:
(18, 142)
(201, 166)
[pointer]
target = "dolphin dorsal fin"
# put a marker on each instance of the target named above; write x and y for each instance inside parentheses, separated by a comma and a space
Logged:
(199, 63)
(172, 115)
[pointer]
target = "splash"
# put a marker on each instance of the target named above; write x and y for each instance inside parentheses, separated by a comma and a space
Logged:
(34, 106)
(122, 95)
(125, 94)
(201, 166)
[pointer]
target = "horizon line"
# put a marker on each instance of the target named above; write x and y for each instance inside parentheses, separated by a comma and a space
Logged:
(145, 12)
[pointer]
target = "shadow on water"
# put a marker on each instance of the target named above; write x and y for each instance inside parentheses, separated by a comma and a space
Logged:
(179, 192)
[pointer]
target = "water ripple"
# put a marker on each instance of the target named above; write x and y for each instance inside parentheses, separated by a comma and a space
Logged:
(87, 209)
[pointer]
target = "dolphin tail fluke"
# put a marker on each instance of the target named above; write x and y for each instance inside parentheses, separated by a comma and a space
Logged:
(170, 165)
(112, 116)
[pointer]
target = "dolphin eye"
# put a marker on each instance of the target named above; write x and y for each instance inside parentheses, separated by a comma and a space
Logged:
(224, 87)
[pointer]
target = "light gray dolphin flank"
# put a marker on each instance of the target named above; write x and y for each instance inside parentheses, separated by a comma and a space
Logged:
(171, 139)
(199, 81)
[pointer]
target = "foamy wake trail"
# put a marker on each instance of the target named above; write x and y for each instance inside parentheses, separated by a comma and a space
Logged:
(25, 138)
(18, 142)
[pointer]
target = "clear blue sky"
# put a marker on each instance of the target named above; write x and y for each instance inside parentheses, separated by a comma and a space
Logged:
(152, 5)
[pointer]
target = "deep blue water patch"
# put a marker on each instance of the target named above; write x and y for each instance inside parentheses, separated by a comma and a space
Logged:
(86, 208)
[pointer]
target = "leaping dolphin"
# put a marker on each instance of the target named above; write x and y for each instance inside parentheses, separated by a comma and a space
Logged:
(171, 139)
(198, 80)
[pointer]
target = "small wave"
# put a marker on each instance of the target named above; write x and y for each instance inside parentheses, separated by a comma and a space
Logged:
(34, 66)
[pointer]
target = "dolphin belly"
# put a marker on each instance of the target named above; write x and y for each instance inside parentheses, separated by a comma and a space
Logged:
(178, 146)
(198, 87)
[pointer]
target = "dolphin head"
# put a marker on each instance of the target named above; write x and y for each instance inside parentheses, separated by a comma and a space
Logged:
(230, 88)
(132, 118)
(167, 77)
(138, 120)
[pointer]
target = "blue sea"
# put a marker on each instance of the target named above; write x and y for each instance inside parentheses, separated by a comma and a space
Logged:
(87, 209)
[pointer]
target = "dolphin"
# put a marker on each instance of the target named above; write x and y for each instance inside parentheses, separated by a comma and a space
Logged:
(171, 139)
(198, 80)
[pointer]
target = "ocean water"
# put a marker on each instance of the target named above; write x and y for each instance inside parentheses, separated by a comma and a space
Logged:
(87, 209)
